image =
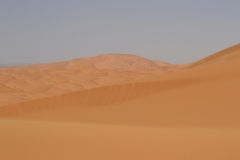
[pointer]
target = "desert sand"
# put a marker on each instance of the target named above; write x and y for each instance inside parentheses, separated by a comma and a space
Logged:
(187, 113)
(24, 83)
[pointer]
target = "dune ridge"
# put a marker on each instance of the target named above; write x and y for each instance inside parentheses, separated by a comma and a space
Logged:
(101, 96)
(231, 52)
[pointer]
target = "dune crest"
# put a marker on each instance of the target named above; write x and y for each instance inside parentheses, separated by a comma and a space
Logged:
(224, 55)
(117, 61)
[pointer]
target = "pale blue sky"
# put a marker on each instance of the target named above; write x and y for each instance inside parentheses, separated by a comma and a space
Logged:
(177, 31)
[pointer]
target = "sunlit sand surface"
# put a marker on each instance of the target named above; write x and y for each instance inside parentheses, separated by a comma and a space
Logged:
(188, 113)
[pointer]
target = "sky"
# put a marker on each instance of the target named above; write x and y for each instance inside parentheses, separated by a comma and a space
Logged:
(176, 31)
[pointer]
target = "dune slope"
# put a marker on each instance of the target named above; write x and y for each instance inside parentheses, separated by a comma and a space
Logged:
(229, 53)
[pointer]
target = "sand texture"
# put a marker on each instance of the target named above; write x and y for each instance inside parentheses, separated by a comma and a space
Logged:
(187, 113)
(24, 83)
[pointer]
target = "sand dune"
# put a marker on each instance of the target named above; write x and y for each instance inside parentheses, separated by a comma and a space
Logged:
(43, 80)
(192, 113)
(229, 53)
(197, 91)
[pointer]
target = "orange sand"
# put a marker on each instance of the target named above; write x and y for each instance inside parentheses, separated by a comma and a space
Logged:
(19, 84)
(192, 113)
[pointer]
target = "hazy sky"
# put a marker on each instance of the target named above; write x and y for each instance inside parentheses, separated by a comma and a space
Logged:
(177, 31)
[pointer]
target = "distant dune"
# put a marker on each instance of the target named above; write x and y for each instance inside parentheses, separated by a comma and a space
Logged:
(189, 114)
(43, 80)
